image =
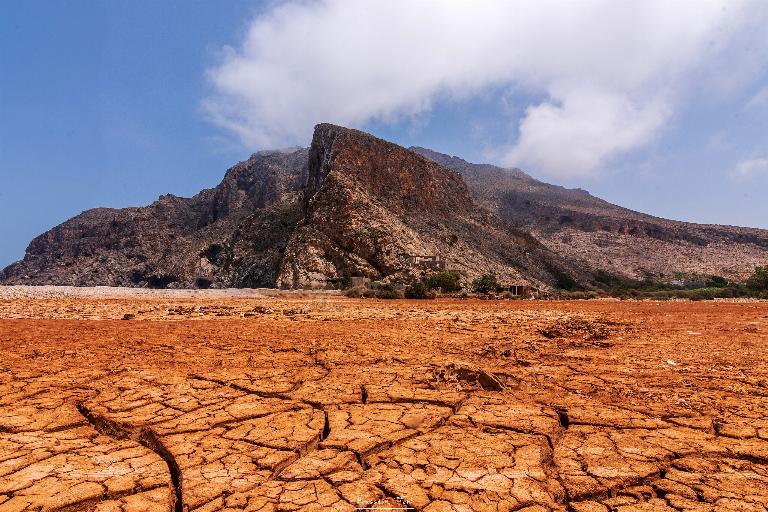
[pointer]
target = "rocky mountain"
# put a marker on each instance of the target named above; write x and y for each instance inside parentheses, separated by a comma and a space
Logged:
(369, 204)
(356, 205)
(596, 234)
(231, 235)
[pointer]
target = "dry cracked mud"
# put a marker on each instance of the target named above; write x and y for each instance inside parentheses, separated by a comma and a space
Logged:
(212, 402)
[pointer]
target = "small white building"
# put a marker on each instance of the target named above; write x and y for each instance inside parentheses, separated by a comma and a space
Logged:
(429, 261)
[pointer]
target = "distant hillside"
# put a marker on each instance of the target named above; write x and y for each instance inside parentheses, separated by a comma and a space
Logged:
(597, 234)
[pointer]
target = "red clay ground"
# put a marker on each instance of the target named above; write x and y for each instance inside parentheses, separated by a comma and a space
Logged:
(325, 403)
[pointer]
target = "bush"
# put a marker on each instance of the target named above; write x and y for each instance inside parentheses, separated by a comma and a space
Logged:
(759, 280)
(449, 281)
(716, 282)
(608, 280)
(388, 294)
(586, 295)
(486, 283)
(418, 290)
(562, 280)
(565, 282)
(700, 294)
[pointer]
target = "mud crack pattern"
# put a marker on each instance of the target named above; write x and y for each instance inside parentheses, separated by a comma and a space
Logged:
(442, 406)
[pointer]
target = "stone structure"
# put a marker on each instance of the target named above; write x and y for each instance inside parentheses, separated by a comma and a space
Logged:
(433, 262)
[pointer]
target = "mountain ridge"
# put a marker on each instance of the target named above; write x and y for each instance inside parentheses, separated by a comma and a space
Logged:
(587, 228)
(355, 204)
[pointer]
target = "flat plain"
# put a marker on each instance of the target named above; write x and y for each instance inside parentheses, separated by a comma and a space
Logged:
(115, 400)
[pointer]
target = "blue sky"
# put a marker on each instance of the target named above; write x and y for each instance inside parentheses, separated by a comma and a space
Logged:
(113, 103)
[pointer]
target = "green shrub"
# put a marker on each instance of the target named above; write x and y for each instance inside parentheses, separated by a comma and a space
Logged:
(717, 282)
(388, 294)
(486, 283)
(585, 295)
(759, 280)
(449, 281)
(418, 290)
(565, 282)
(700, 294)
(607, 280)
(382, 292)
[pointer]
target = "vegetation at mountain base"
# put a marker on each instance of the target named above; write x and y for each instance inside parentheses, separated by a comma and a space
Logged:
(448, 281)
(707, 288)
(717, 282)
(418, 290)
(759, 280)
(375, 291)
(486, 283)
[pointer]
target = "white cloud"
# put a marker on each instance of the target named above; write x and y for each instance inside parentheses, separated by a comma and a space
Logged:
(612, 72)
(751, 167)
(575, 137)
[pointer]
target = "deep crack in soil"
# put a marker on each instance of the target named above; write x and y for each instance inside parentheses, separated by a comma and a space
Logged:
(144, 437)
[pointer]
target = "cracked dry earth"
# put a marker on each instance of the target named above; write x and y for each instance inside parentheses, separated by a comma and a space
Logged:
(325, 403)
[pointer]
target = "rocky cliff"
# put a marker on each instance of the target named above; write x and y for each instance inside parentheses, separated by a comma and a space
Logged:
(231, 235)
(369, 204)
(356, 205)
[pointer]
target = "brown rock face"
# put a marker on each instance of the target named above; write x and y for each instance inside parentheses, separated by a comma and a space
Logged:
(232, 235)
(370, 203)
(399, 179)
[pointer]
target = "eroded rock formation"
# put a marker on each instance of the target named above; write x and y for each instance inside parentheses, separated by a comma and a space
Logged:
(370, 203)
(231, 235)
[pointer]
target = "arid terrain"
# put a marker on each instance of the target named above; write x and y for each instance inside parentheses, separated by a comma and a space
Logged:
(115, 400)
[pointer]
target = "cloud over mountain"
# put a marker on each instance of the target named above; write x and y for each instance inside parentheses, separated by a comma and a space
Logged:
(608, 75)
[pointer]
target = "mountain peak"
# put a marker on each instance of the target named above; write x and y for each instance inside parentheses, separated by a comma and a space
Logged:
(395, 176)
